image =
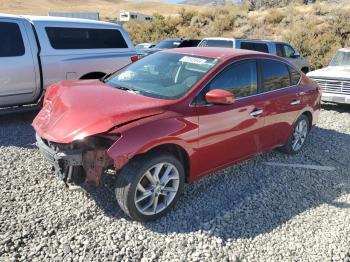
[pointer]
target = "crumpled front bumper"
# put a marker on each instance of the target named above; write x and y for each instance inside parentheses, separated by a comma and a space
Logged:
(63, 161)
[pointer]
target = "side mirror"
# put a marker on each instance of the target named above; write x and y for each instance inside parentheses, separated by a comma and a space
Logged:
(295, 55)
(220, 96)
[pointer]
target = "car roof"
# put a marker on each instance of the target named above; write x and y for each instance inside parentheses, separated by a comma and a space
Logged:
(33, 19)
(245, 40)
(344, 49)
(218, 52)
(219, 38)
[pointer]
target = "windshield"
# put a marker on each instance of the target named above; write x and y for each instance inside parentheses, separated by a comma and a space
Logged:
(168, 44)
(341, 58)
(216, 43)
(162, 75)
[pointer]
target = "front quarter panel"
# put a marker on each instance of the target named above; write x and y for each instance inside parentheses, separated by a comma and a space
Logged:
(140, 138)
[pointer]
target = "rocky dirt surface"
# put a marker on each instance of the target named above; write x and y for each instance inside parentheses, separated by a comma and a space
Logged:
(249, 212)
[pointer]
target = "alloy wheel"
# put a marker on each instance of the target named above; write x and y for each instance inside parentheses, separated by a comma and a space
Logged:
(157, 188)
(299, 135)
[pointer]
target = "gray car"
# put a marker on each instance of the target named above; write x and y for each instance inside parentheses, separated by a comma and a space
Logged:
(281, 49)
(37, 51)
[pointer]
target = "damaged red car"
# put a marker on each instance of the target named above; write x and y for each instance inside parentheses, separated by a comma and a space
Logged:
(174, 117)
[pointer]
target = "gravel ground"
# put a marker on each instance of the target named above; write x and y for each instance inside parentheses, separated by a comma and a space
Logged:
(249, 212)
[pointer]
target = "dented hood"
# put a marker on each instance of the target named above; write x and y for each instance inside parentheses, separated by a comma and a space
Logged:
(76, 109)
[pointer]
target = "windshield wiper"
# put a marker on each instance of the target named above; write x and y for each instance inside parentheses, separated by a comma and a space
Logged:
(128, 89)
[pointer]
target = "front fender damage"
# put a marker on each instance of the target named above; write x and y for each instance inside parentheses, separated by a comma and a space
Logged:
(94, 163)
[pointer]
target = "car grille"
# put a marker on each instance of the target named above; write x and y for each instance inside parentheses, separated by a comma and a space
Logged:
(334, 86)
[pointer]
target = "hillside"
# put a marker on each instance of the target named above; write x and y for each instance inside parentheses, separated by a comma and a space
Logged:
(316, 31)
(108, 9)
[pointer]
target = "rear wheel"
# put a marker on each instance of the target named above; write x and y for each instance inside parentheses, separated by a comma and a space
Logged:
(149, 186)
(298, 137)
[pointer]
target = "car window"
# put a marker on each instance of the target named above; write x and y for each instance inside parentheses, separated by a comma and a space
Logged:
(279, 50)
(189, 43)
(240, 79)
(216, 43)
(166, 44)
(288, 51)
(341, 58)
(85, 38)
(294, 76)
(275, 75)
(163, 75)
(11, 43)
(260, 47)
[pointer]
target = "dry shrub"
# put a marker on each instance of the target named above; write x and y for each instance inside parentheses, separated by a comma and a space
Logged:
(316, 32)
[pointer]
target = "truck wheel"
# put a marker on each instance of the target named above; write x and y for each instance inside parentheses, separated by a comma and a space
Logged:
(149, 185)
(298, 136)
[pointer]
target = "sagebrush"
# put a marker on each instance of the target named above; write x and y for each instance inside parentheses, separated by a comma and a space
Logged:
(316, 31)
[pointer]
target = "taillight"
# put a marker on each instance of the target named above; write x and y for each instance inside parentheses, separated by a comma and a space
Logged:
(134, 58)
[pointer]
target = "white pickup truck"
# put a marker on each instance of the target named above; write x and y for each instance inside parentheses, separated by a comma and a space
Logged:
(38, 51)
(334, 79)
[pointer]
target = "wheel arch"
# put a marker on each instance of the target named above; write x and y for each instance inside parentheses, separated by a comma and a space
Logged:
(308, 114)
(175, 149)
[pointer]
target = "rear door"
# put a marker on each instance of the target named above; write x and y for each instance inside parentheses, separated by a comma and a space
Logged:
(228, 133)
(283, 101)
(17, 74)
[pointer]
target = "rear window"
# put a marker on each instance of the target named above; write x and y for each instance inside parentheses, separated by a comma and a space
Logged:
(85, 38)
(216, 43)
(260, 47)
(275, 75)
(167, 44)
(189, 43)
(294, 76)
(11, 43)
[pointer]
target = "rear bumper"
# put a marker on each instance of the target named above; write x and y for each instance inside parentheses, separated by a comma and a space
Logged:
(62, 160)
(335, 98)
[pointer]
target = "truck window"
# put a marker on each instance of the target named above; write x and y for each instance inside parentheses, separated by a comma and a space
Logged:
(275, 75)
(216, 43)
(85, 38)
(260, 47)
(11, 43)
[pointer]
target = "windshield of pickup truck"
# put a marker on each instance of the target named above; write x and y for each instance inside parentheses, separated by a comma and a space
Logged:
(162, 75)
(341, 58)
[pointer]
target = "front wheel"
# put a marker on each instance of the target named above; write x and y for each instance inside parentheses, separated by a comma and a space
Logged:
(149, 186)
(298, 137)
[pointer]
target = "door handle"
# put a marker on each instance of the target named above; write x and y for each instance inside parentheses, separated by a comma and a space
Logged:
(295, 102)
(256, 112)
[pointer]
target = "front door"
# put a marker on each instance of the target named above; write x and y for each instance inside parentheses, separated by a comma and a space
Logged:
(228, 133)
(17, 74)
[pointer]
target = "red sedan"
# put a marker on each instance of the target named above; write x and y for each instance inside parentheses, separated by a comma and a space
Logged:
(174, 117)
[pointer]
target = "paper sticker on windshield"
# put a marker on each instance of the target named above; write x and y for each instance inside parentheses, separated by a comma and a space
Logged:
(127, 75)
(193, 60)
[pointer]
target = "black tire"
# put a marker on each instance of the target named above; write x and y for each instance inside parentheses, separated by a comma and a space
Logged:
(129, 177)
(288, 147)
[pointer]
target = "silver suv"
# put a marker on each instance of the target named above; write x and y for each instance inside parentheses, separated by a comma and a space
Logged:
(281, 49)
(38, 51)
